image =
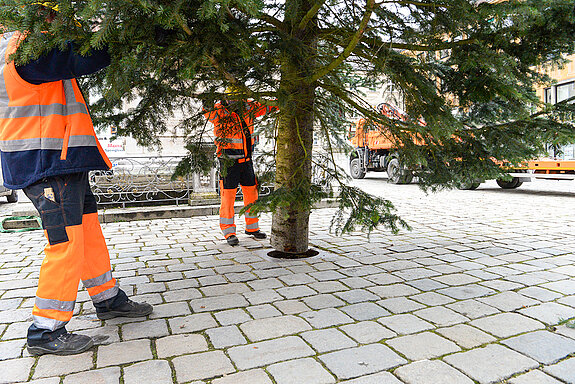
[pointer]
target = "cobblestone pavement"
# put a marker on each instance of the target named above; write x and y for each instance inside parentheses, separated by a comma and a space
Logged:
(477, 292)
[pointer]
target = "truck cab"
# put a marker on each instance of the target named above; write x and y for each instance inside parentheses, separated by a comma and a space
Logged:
(375, 148)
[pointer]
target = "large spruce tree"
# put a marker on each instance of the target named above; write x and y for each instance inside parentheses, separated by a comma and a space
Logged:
(310, 58)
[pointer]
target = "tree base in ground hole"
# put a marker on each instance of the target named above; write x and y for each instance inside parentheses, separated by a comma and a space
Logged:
(286, 255)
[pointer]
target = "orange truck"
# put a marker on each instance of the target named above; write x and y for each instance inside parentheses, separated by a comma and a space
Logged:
(375, 149)
(546, 168)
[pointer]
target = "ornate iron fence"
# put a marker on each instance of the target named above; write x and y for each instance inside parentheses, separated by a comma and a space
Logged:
(140, 181)
(147, 180)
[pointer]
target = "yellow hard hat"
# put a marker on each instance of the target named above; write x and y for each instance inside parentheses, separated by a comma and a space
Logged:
(48, 4)
(54, 7)
(233, 90)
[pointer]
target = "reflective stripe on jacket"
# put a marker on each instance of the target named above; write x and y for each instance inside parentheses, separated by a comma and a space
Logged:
(228, 128)
(45, 129)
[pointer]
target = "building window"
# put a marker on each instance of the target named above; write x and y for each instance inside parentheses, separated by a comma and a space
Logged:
(548, 95)
(565, 91)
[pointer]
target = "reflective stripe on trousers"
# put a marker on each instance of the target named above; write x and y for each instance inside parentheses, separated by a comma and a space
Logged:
(76, 250)
(251, 196)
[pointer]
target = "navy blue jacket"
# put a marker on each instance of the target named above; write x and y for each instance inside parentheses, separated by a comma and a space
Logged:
(63, 65)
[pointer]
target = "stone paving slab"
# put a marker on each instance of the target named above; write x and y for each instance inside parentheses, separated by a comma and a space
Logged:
(477, 292)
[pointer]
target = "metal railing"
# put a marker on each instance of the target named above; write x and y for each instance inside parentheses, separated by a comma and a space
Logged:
(148, 180)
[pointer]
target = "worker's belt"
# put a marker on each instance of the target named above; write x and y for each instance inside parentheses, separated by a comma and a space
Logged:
(244, 160)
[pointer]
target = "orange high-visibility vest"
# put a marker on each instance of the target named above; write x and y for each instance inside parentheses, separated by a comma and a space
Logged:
(45, 129)
(228, 130)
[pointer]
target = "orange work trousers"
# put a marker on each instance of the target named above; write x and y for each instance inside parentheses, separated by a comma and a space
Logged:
(76, 251)
(239, 173)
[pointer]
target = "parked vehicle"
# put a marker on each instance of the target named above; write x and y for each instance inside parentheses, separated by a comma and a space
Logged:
(375, 149)
(10, 194)
(546, 168)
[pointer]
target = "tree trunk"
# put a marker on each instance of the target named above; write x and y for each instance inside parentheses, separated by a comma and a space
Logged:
(290, 225)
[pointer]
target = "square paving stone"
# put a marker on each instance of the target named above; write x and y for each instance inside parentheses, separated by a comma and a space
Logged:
(223, 337)
(425, 345)
(180, 344)
(466, 336)
(564, 370)
(508, 301)
(54, 365)
(426, 285)
(97, 376)
(405, 324)
(202, 366)
(269, 328)
(365, 311)
(549, 313)
(466, 292)
(534, 377)
(296, 292)
(152, 371)
(263, 311)
(456, 279)
(255, 376)
(326, 318)
(357, 296)
(400, 305)
(145, 329)
(507, 324)
(15, 370)
(269, 352)
(566, 287)
(394, 290)
(291, 307)
(263, 296)
(232, 316)
(300, 371)
(327, 340)
(432, 299)
(192, 323)
(377, 378)
(367, 332)
(491, 364)
(11, 349)
(441, 316)
(539, 293)
(472, 309)
(431, 372)
(170, 310)
(123, 352)
(543, 346)
(328, 286)
(360, 361)
(323, 301)
(218, 302)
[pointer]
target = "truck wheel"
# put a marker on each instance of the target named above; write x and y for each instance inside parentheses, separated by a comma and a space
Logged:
(514, 183)
(13, 197)
(469, 186)
(355, 169)
(396, 174)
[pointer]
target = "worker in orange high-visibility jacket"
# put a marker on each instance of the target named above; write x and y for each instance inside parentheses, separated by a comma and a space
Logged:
(233, 120)
(47, 147)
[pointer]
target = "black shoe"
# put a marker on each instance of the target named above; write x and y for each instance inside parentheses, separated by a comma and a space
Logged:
(128, 309)
(257, 234)
(66, 344)
(232, 240)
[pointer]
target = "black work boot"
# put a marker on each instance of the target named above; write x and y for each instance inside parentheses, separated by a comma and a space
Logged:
(120, 305)
(65, 344)
(257, 234)
(128, 309)
(232, 240)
